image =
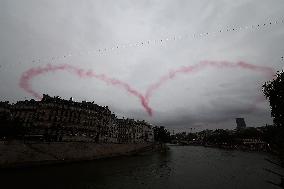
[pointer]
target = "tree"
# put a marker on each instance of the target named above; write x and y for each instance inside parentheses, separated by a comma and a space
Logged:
(161, 134)
(249, 132)
(274, 92)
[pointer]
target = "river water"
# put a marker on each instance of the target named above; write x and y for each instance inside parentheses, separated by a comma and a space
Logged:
(187, 167)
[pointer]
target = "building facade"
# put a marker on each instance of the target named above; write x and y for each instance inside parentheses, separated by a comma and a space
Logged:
(66, 120)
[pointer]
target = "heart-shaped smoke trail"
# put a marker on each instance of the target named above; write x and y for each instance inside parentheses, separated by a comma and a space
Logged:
(28, 75)
(191, 69)
(33, 72)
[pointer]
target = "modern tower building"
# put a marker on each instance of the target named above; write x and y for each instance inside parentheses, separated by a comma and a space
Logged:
(241, 124)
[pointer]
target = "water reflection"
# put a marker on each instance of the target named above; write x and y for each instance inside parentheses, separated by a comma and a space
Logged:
(181, 167)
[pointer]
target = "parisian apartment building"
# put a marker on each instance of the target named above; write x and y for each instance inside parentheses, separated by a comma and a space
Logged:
(76, 121)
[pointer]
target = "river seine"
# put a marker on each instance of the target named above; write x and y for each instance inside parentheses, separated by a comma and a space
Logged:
(182, 167)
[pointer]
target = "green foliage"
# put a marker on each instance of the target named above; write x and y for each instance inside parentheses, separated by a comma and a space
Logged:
(274, 92)
(250, 132)
(161, 134)
(219, 136)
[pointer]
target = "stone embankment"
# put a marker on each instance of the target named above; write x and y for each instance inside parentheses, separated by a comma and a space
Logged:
(19, 154)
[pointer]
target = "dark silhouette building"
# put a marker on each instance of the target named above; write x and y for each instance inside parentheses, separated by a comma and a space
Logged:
(241, 124)
(75, 121)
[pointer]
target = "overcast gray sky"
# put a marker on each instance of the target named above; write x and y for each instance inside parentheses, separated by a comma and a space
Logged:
(36, 32)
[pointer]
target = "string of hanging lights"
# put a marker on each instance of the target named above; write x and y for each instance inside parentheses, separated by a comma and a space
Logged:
(162, 41)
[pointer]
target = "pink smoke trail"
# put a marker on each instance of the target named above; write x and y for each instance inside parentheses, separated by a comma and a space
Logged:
(33, 72)
(191, 69)
(144, 99)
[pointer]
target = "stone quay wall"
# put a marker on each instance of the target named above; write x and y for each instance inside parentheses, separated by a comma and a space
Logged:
(19, 154)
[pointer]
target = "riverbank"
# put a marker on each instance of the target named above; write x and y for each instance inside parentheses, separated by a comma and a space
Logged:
(241, 147)
(19, 154)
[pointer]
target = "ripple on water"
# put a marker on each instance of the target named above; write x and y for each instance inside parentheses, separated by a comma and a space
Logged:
(181, 167)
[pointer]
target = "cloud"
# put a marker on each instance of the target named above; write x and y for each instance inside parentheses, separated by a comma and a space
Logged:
(42, 30)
